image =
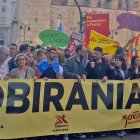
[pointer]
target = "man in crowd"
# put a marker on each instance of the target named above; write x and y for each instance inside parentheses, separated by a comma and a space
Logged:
(24, 48)
(74, 67)
(50, 68)
(4, 69)
(13, 49)
(97, 68)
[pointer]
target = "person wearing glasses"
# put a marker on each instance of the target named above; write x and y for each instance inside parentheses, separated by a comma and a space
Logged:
(22, 71)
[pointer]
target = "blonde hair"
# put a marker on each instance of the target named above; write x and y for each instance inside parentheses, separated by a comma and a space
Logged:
(17, 57)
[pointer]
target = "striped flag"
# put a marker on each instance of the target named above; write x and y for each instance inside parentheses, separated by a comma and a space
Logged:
(134, 48)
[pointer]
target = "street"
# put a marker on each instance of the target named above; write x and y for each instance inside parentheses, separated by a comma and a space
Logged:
(110, 136)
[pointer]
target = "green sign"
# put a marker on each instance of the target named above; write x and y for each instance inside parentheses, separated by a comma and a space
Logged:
(54, 38)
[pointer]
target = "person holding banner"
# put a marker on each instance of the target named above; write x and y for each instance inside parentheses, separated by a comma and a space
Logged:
(97, 68)
(23, 48)
(134, 73)
(74, 69)
(119, 71)
(50, 68)
(74, 66)
(22, 71)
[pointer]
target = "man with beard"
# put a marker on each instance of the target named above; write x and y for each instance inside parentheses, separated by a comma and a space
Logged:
(97, 68)
(50, 68)
(74, 67)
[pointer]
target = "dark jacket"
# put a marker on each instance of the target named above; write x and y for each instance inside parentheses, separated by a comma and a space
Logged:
(98, 72)
(12, 64)
(115, 74)
(71, 68)
(131, 73)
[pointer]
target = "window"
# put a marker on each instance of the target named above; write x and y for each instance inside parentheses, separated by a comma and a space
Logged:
(3, 9)
(99, 3)
(13, 3)
(120, 4)
(4, 0)
(109, 3)
(1, 42)
(1, 34)
(135, 3)
(59, 2)
(3, 20)
(84, 3)
(127, 5)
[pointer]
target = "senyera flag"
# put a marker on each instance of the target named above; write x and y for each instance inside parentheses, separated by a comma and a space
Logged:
(133, 48)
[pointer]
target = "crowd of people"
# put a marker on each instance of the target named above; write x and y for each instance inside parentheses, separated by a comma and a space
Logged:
(28, 62)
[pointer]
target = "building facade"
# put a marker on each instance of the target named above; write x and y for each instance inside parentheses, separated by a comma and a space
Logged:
(36, 16)
(8, 21)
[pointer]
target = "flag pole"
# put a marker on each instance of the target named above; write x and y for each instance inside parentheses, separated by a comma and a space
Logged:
(80, 12)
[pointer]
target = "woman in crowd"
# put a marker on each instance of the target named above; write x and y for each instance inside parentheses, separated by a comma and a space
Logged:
(118, 72)
(134, 73)
(134, 70)
(22, 71)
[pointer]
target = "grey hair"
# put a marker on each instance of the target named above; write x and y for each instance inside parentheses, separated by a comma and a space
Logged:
(3, 49)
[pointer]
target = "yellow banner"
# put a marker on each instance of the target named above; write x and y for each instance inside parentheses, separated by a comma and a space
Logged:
(107, 44)
(29, 108)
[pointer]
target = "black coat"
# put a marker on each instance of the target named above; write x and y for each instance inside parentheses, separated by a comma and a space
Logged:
(98, 72)
(115, 74)
(132, 74)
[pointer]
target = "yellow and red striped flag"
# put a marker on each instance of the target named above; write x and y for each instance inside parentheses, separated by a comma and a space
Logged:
(134, 48)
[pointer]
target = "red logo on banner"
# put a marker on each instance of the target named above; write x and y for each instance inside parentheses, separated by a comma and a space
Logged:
(61, 120)
(131, 119)
(98, 23)
(61, 124)
(72, 46)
